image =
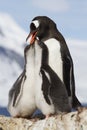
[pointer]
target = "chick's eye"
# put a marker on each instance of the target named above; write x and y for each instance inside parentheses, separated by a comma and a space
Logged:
(32, 26)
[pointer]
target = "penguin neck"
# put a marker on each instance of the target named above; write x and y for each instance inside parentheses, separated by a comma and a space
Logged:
(33, 59)
(51, 34)
(37, 56)
(29, 60)
(41, 54)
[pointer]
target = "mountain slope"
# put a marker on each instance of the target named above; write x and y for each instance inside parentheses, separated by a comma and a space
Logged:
(12, 41)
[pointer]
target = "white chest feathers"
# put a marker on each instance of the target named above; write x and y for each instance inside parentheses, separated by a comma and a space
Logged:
(55, 60)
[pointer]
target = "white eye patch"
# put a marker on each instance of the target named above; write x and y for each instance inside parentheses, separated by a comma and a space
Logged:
(36, 23)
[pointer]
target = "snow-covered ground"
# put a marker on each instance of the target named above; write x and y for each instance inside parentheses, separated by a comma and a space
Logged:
(12, 42)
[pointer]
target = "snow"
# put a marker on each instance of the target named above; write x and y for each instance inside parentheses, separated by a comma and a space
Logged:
(12, 36)
(12, 42)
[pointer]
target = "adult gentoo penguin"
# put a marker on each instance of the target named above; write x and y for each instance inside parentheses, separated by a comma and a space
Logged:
(21, 96)
(60, 60)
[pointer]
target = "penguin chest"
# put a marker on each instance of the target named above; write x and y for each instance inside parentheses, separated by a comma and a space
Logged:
(41, 103)
(39, 96)
(55, 59)
(38, 79)
(27, 101)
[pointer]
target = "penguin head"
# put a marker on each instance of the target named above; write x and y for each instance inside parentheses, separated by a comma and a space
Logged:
(41, 28)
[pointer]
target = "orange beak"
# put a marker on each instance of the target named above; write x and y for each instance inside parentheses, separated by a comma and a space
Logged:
(31, 37)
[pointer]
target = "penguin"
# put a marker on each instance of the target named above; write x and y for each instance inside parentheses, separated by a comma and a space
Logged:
(60, 61)
(21, 96)
(55, 97)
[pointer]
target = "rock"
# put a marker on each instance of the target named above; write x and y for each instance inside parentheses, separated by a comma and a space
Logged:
(70, 121)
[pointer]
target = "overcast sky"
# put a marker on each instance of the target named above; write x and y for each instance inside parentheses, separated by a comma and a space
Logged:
(69, 15)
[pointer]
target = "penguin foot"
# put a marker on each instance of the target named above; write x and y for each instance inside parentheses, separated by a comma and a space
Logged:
(49, 115)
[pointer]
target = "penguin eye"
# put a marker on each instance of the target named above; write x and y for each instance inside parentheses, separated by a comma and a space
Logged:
(32, 26)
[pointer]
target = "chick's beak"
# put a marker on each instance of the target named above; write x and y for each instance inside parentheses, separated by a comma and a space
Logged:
(31, 37)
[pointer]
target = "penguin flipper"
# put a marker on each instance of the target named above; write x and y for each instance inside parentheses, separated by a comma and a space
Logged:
(57, 91)
(45, 86)
(15, 92)
(69, 79)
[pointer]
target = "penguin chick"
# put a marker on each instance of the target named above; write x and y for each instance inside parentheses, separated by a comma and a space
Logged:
(54, 91)
(21, 96)
(52, 96)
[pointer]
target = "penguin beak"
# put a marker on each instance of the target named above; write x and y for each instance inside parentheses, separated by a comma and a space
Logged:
(31, 37)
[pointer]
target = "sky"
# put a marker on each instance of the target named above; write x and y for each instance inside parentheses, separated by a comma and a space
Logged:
(71, 19)
(69, 15)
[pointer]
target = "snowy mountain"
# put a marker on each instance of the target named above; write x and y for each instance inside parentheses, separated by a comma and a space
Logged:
(12, 42)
